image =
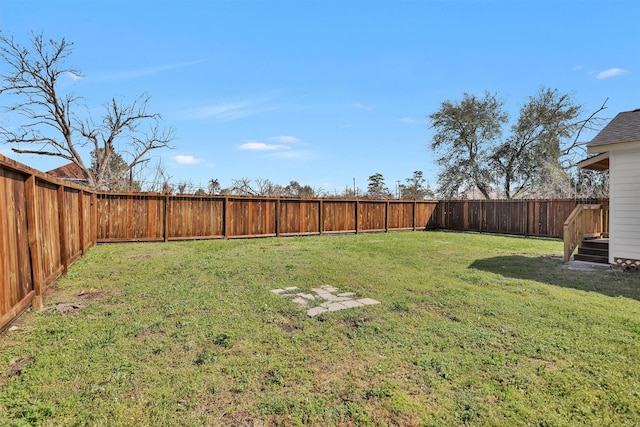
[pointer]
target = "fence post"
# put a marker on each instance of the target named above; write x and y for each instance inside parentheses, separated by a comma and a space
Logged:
(225, 217)
(94, 218)
(81, 221)
(62, 230)
(130, 216)
(465, 216)
(357, 206)
(33, 230)
(413, 216)
(386, 217)
(320, 217)
(165, 218)
(278, 216)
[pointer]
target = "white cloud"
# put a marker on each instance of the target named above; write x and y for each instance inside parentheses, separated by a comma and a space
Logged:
(611, 72)
(285, 139)
(408, 120)
(182, 159)
(148, 71)
(261, 146)
(223, 112)
(229, 111)
(73, 76)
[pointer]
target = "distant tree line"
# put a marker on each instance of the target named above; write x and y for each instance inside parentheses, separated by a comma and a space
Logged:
(414, 187)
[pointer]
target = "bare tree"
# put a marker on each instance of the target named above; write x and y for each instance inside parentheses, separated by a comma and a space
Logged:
(242, 187)
(51, 126)
(264, 187)
(576, 150)
(160, 180)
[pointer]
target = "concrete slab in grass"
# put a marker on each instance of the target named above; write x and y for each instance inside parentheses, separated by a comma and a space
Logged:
(326, 293)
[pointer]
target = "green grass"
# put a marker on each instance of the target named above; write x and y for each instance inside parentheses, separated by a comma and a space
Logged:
(471, 330)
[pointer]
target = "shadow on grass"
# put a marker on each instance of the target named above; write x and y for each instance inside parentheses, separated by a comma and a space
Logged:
(549, 270)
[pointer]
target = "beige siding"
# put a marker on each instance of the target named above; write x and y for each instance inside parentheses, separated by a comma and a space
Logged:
(625, 205)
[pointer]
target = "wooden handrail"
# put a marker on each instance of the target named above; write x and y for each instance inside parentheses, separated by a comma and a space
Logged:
(584, 221)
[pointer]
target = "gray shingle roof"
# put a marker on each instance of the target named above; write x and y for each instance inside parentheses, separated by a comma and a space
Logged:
(625, 127)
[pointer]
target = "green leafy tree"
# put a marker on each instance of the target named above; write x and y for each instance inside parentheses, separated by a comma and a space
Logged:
(376, 189)
(214, 186)
(590, 184)
(112, 175)
(529, 158)
(415, 187)
(533, 159)
(295, 189)
(465, 134)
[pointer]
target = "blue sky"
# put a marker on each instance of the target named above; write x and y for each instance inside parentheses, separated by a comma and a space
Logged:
(325, 92)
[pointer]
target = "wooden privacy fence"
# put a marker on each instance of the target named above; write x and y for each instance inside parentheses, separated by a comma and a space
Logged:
(45, 225)
(543, 218)
(154, 217)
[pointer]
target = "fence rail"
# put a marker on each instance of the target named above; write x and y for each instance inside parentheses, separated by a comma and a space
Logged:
(46, 224)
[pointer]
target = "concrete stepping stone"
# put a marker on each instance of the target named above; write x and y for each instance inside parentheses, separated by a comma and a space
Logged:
(352, 303)
(347, 294)
(316, 310)
(335, 306)
(367, 301)
(301, 301)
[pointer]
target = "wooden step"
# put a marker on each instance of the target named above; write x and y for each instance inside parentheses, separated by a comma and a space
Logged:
(592, 258)
(596, 244)
(593, 250)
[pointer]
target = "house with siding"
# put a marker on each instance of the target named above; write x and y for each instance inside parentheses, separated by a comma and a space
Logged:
(617, 148)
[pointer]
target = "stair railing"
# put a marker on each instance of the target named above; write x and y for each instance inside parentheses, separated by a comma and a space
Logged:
(584, 221)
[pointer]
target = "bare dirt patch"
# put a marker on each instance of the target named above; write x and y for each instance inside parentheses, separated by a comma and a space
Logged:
(16, 365)
(71, 308)
(68, 308)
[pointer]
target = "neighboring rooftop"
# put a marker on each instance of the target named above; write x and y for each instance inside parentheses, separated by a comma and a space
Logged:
(70, 172)
(625, 127)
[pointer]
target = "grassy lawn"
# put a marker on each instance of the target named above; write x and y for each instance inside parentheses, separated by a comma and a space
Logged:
(471, 330)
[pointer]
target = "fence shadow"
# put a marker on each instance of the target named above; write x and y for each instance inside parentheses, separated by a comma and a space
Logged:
(549, 270)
